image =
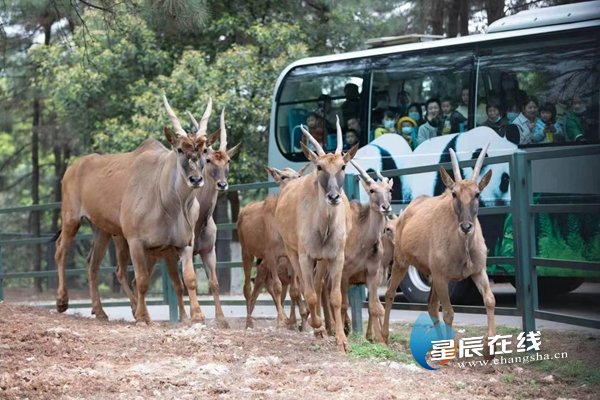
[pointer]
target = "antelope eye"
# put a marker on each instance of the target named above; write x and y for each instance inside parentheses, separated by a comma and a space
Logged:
(477, 195)
(180, 151)
(390, 190)
(371, 191)
(283, 178)
(205, 151)
(319, 168)
(208, 160)
(453, 194)
(343, 167)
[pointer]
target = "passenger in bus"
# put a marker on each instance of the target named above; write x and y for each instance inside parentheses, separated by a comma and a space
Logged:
(451, 121)
(495, 119)
(351, 106)
(415, 112)
(407, 127)
(350, 139)
(431, 127)
(325, 111)
(509, 89)
(513, 109)
(354, 123)
(463, 108)
(388, 124)
(531, 127)
(576, 123)
(402, 103)
(552, 129)
(316, 128)
(381, 100)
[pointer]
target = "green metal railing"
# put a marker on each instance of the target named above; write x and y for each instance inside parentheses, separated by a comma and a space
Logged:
(525, 259)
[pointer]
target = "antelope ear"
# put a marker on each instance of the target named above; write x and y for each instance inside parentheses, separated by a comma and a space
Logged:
(448, 181)
(350, 154)
(308, 153)
(231, 152)
(391, 182)
(171, 137)
(303, 169)
(485, 180)
(213, 138)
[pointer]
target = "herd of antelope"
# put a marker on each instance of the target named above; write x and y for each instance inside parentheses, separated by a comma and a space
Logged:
(157, 203)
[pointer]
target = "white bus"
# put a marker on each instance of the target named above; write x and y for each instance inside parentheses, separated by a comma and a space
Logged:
(546, 57)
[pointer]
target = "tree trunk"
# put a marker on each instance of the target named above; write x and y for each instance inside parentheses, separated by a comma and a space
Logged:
(223, 245)
(453, 15)
(463, 17)
(494, 9)
(434, 16)
(35, 188)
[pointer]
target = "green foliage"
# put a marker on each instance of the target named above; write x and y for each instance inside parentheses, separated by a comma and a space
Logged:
(360, 347)
(571, 370)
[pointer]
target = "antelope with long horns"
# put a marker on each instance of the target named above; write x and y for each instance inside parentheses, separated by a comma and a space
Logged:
(442, 237)
(313, 218)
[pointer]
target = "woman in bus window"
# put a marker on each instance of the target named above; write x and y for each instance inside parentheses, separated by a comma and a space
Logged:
(531, 127)
(415, 111)
(430, 128)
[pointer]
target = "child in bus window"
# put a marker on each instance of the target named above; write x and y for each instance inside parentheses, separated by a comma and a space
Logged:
(452, 121)
(388, 124)
(495, 119)
(463, 108)
(316, 127)
(407, 127)
(531, 127)
(351, 138)
(512, 111)
(552, 129)
(430, 128)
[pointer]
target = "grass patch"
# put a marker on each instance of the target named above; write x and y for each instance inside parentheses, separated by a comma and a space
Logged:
(362, 348)
(570, 370)
(508, 378)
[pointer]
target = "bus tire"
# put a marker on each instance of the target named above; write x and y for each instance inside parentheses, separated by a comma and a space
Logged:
(416, 288)
(549, 286)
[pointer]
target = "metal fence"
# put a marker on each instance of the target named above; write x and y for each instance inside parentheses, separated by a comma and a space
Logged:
(525, 258)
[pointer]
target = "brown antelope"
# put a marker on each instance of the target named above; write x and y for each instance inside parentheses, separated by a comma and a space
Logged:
(259, 238)
(364, 249)
(441, 237)
(313, 218)
(147, 196)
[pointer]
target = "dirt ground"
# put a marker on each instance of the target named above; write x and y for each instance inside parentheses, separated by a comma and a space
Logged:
(45, 355)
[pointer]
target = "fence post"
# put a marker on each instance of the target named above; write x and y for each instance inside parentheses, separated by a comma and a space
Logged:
(523, 238)
(169, 294)
(1, 278)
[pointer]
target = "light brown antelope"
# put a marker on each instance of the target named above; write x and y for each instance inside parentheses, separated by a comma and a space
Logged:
(441, 237)
(147, 196)
(313, 217)
(364, 248)
(259, 238)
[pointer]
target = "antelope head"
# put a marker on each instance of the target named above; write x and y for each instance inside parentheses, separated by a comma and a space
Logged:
(217, 161)
(190, 148)
(465, 193)
(380, 193)
(282, 177)
(330, 168)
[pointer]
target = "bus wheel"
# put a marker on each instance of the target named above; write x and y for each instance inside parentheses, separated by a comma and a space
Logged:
(549, 286)
(416, 287)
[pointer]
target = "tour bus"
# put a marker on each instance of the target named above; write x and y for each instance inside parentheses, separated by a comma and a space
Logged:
(494, 83)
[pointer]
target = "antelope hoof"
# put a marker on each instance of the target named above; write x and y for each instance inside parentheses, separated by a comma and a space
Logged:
(198, 319)
(319, 332)
(486, 353)
(100, 315)
(342, 346)
(282, 323)
(62, 304)
(222, 323)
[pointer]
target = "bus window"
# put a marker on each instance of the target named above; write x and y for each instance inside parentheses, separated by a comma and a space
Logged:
(407, 79)
(548, 90)
(325, 91)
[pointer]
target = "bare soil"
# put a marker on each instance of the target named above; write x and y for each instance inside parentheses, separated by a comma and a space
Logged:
(45, 355)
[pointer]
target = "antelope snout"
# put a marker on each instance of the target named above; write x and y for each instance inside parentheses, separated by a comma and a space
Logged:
(196, 181)
(222, 185)
(385, 209)
(334, 198)
(466, 227)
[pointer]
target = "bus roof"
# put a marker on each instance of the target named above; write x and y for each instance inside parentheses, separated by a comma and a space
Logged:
(548, 16)
(591, 21)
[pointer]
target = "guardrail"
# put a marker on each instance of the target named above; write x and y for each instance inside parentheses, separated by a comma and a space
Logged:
(522, 209)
